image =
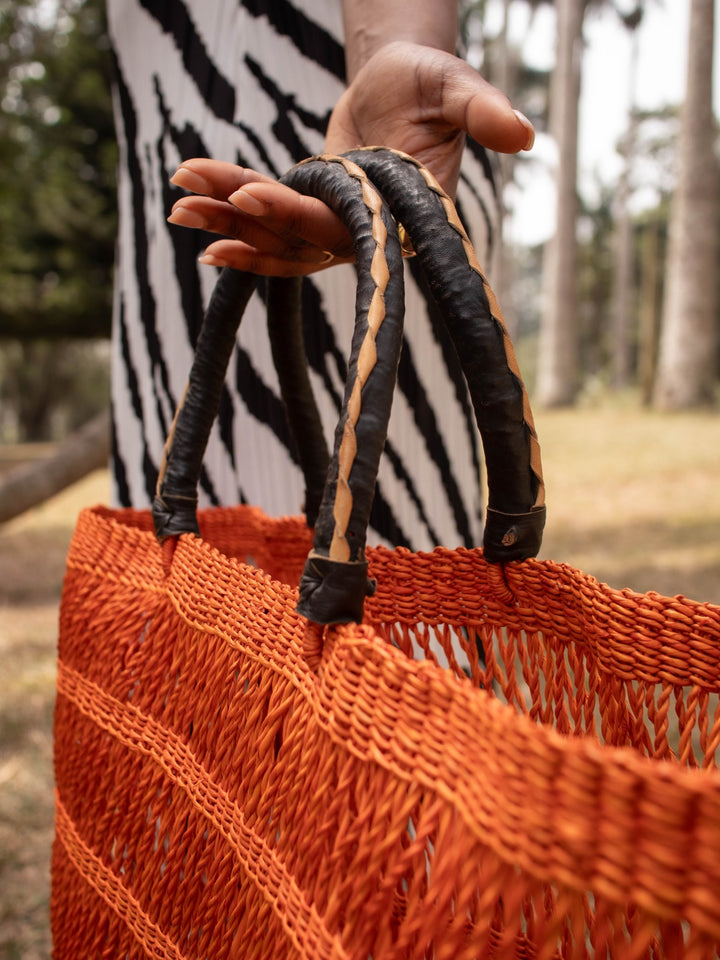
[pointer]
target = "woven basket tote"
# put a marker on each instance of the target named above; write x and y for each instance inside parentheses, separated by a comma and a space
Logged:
(272, 742)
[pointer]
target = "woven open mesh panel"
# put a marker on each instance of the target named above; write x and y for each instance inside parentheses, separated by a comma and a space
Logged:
(496, 764)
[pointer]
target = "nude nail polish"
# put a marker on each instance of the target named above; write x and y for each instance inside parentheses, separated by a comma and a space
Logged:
(248, 203)
(212, 261)
(528, 127)
(189, 180)
(187, 218)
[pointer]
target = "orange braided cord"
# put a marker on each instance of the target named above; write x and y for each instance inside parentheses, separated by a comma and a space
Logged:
(141, 733)
(111, 889)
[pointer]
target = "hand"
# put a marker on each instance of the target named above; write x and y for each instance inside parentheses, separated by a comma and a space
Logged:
(275, 231)
(414, 98)
(424, 101)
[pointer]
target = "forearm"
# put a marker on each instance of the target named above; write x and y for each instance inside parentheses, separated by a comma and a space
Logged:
(370, 24)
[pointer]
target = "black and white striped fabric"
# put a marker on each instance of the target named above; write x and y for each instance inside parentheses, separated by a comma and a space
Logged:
(254, 82)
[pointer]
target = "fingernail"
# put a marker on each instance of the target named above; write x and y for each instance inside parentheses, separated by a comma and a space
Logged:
(191, 181)
(248, 203)
(187, 218)
(212, 261)
(528, 127)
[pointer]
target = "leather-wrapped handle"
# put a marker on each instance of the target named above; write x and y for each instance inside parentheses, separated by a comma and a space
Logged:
(516, 510)
(516, 494)
(339, 590)
(284, 316)
(334, 582)
(174, 506)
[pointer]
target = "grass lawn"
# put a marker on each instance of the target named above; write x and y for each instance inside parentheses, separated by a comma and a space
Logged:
(633, 498)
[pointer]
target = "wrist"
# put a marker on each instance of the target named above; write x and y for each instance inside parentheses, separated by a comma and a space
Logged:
(373, 24)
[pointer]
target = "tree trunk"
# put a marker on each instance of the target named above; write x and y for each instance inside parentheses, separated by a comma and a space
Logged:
(557, 378)
(649, 319)
(501, 266)
(687, 362)
(624, 247)
(36, 389)
(85, 450)
(622, 299)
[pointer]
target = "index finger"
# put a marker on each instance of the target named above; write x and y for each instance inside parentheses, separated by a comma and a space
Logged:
(215, 178)
(294, 217)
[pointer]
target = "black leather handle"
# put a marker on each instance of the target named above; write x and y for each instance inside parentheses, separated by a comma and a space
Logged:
(334, 582)
(174, 506)
(285, 331)
(515, 514)
(343, 515)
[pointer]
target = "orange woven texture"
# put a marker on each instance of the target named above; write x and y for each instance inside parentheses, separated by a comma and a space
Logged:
(497, 764)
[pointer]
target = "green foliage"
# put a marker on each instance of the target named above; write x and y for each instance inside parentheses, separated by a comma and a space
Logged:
(48, 388)
(57, 170)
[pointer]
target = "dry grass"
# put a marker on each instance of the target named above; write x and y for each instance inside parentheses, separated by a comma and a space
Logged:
(32, 554)
(632, 498)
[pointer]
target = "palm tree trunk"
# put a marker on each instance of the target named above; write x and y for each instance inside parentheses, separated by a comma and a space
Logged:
(557, 378)
(501, 267)
(624, 247)
(687, 361)
(649, 314)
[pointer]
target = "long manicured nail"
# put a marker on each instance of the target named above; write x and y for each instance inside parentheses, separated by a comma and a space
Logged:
(212, 261)
(187, 218)
(189, 180)
(248, 203)
(528, 127)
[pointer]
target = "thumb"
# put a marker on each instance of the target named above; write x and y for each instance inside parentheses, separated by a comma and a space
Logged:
(472, 104)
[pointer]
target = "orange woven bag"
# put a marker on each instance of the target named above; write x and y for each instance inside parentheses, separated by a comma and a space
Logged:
(503, 759)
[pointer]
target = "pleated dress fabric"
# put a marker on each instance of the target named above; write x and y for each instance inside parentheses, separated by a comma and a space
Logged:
(254, 83)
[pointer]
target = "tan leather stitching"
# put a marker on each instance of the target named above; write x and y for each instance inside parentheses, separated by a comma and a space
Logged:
(367, 359)
(456, 224)
(339, 547)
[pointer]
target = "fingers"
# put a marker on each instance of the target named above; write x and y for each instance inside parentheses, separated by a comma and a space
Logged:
(483, 112)
(422, 100)
(293, 217)
(243, 256)
(214, 178)
(275, 231)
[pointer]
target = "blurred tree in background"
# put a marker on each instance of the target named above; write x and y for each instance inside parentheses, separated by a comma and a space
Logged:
(616, 300)
(687, 362)
(499, 58)
(57, 212)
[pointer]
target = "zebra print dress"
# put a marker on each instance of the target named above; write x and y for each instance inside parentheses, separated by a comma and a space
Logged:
(254, 82)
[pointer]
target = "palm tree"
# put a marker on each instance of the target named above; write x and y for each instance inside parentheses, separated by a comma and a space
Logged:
(687, 362)
(557, 377)
(502, 65)
(623, 285)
